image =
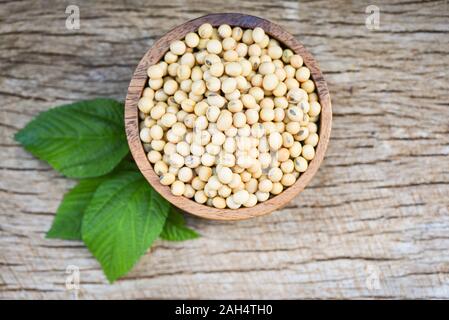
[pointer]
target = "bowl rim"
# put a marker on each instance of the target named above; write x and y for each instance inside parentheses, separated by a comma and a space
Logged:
(139, 81)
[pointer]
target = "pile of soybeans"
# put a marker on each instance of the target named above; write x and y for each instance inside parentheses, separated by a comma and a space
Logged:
(229, 117)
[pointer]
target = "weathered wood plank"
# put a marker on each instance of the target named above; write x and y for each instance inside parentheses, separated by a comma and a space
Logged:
(379, 204)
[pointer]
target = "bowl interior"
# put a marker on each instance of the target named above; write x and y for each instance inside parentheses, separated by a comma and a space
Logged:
(138, 83)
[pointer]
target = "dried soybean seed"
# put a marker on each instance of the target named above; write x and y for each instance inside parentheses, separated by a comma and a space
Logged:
(185, 174)
(288, 179)
(219, 202)
(167, 179)
(302, 74)
(275, 174)
(192, 40)
(251, 202)
(308, 86)
(258, 34)
(315, 109)
(177, 188)
(262, 196)
(205, 30)
(296, 61)
(200, 196)
(312, 139)
(308, 152)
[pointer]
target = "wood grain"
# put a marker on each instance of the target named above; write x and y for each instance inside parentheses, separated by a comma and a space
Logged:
(139, 82)
(378, 206)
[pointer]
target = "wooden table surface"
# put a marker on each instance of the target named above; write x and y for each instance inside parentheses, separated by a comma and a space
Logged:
(374, 223)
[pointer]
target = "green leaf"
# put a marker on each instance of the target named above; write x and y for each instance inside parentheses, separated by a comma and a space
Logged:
(127, 164)
(175, 228)
(81, 140)
(122, 220)
(67, 222)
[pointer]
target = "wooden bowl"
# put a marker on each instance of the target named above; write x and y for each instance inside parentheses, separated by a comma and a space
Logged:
(139, 81)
